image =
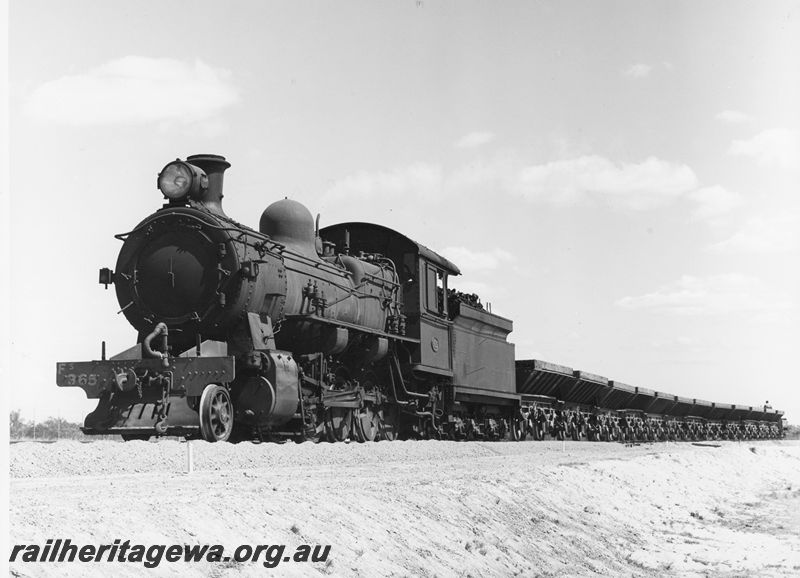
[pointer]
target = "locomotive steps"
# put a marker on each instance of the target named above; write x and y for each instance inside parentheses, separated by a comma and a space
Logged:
(426, 508)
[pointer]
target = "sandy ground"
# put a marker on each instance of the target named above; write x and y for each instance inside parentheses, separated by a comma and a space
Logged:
(421, 508)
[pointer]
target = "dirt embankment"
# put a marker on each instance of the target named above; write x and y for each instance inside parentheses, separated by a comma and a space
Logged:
(422, 508)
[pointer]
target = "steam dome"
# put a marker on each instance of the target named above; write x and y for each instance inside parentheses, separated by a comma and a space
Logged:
(290, 223)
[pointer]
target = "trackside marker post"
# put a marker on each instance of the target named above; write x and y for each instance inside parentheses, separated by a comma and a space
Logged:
(189, 456)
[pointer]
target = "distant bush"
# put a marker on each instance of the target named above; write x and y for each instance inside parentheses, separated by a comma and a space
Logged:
(53, 428)
(793, 432)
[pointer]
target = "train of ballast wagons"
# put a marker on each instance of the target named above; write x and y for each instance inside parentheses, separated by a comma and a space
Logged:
(345, 332)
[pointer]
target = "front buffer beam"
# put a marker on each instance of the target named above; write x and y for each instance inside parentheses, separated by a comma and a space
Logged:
(141, 397)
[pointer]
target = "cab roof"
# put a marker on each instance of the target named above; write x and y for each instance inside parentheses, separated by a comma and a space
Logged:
(389, 238)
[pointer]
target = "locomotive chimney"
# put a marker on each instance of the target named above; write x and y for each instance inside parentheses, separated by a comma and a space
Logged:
(214, 166)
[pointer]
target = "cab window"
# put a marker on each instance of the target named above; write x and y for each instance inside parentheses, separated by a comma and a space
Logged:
(436, 290)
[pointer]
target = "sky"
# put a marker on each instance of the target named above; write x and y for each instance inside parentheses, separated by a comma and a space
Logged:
(620, 178)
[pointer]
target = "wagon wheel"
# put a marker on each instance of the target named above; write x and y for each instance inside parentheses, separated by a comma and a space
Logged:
(338, 423)
(519, 430)
(367, 424)
(456, 430)
(216, 414)
(388, 423)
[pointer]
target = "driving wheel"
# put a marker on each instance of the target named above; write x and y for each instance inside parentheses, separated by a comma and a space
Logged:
(216, 414)
(339, 420)
(367, 424)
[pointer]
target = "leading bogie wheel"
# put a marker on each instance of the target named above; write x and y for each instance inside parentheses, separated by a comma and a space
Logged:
(216, 414)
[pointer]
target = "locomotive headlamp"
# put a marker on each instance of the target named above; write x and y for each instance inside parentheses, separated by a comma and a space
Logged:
(179, 179)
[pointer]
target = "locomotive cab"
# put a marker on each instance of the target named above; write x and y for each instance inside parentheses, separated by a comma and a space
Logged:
(460, 352)
(423, 275)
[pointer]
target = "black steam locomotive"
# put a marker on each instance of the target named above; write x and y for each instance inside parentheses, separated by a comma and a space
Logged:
(349, 331)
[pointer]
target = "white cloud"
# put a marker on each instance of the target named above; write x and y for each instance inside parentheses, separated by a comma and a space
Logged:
(712, 295)
(482, 178)
(134, 90)
(474, 140)
(767, 233)
(418, 180)
(638, 70)
(635, 186)
(714, 201)
(733, 116)
(469, 260)
(777, 147)
(589, 180)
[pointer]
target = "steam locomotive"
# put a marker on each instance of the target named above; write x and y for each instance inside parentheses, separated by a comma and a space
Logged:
(345, 332)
